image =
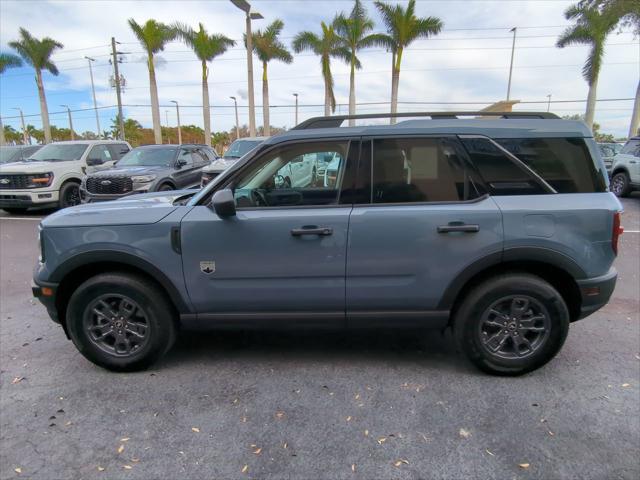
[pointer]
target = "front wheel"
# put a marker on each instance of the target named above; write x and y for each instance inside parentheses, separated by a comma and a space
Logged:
(511, 324)
(69, 195)
(621, 184)
(121, 322)
(165, 188)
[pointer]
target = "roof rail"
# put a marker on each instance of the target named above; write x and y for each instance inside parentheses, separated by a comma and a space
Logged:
(337, 120)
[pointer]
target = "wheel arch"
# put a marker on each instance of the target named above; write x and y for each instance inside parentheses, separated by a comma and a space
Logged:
(166, 181)
(554, 267)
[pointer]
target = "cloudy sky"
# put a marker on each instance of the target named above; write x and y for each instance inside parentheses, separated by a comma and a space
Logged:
(464, 67)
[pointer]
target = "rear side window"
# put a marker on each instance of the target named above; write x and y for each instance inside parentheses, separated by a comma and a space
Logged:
(118, 150)
(632, 147)
(564, 163)
(409, 170)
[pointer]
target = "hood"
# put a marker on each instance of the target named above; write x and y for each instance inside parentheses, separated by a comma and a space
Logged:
(142, 209)
(36, 167)
(129, 171)
(219, 165)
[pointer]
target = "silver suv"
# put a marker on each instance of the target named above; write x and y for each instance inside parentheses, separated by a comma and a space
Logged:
(625, 171)
(503, 230)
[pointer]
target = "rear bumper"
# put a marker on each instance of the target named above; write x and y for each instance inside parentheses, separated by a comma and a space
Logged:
(596, 292)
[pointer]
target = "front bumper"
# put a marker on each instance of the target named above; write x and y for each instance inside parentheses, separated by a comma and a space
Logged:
(596, 292)
(46, 292)
(87, 197)
(28, 198)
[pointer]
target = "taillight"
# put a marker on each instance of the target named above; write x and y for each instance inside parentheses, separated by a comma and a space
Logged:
(617, 231)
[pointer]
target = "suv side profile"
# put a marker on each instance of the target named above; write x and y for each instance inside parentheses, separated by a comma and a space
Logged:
(625, 171)
(501, 229)
(51, 176)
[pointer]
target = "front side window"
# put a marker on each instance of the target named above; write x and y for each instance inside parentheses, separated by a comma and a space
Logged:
(101, 153)
(420, 170)
(292, 176)
(238, 148)
(185, 158)
(632, 147)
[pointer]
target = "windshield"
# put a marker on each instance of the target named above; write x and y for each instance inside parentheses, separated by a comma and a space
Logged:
(9, 154)
(148, 157)
(238, 148)
(59, 152)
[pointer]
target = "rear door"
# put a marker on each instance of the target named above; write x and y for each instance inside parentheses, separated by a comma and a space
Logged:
(424, 219)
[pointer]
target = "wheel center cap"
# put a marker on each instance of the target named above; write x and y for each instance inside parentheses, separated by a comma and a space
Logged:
(512, 326)
(119, 324)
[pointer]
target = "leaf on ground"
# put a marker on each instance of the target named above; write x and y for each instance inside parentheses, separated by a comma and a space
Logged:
(17, 380)
(100, 469)
(357, 396)
(353, 467)
(135, 460)
(257, 451)
(366, 433)
(125, 439)
(464, 433)
(349, 418)
(399, 462)
(127, 467)
(244, 419)
(121, 449)
(490, 453)
(279, 414)
(17, 470)
(285, 445)
(245, 469)
(625, 385)
(195, 429)
(381, 440)
(551, 433)
(524, 466)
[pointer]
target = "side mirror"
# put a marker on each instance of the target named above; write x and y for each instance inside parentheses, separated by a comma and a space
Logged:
(181, 163)
(92, 162)
(224, 204)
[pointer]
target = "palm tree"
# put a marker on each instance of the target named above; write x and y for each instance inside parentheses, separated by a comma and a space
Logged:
(9, 60)
(353, 31)
(592, 26)
(326, 46)
(37, 53)
(206, 47)
(153, 36)
(403, 27)
(268, 47)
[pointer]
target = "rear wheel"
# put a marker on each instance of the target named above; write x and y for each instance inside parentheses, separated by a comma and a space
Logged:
(511, 324)
(69, 195)
(15, 211)
(120, 322)
(621, 184)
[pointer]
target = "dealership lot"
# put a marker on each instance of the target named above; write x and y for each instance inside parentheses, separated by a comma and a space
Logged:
(315, 405)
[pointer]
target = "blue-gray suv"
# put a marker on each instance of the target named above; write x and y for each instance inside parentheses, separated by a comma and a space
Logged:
(501, 228)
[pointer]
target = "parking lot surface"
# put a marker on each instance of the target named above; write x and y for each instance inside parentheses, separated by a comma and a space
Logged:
(316, 405)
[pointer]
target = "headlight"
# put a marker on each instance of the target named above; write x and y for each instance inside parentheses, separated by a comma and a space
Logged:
(40, 180)
(143, 178)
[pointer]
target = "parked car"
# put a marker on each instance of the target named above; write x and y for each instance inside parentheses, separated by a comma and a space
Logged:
(51, 176)
(625, 171)
(501, 229)
(150, 168)
(236, 150)
(17, 153)
(607, 152)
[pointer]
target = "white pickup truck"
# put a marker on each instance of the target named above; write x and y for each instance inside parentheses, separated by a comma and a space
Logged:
(51, 176)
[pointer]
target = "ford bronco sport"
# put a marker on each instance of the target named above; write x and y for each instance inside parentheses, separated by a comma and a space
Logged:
(501, 228)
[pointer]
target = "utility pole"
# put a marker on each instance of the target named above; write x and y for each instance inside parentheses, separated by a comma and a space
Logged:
(118, 95)
(93, 91)
(73, 136)
(513, 48)
(26, 139)
(296, 95)
(178, 115)
(549, 102)
(246, 8)
(235, 103)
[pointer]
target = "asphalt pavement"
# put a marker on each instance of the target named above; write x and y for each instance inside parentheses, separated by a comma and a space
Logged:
(309, 405)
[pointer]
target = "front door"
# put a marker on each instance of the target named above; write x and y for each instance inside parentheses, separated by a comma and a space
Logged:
(282, 255)
(423, 221)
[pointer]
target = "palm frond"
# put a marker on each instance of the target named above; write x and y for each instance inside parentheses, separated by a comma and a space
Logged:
(9, 60)
(36, 52)
(307, 41)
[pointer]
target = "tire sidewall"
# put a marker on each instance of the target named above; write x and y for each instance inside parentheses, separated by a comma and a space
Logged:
(160, 322)
(625, 188)
(470, 314)
(63, 193)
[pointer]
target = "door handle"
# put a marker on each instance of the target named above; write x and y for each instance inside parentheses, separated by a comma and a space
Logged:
(458, 227)
(311, 230)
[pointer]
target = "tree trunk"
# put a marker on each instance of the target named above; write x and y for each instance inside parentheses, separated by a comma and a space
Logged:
(44, 111)
(265, 101)
(591, 102)
(352, 93)
(635, 116)
(2, 139)
(206, 111)
(155, 106)
(327, 97)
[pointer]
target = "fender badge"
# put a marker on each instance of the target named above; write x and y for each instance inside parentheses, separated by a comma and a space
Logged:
(207, 267)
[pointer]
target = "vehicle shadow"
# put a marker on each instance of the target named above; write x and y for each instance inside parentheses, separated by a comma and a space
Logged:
(427, 347)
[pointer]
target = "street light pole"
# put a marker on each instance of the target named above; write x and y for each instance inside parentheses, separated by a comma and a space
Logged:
(25, 138)
(549, 102)
(178, 115)
(73, 137)
(235, 103)
(513, 48)
(296, 95)
(93, 92)
(246, 8)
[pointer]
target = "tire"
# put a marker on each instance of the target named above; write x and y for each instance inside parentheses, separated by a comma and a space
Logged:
(165, 187)
(145, 311)
(69, 195)
(526, 297)
(621, 184)
(14, 211)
